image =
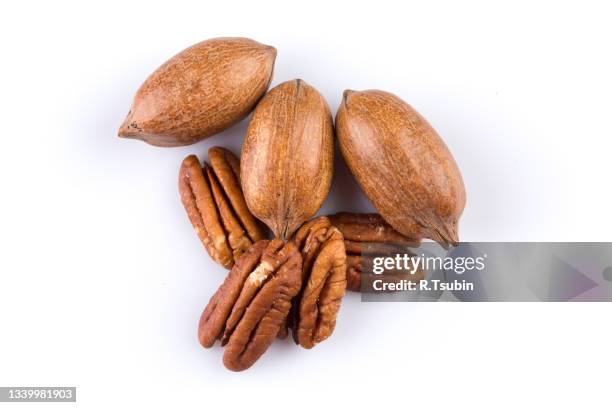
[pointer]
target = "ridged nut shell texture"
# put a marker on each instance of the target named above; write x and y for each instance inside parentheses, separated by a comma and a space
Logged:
(401, 164)
(287, 157)
(200, 92)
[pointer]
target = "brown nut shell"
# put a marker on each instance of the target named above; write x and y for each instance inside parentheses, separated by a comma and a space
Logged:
(200, 91)
(250, 307)
(401, 164)
(316, 308)
(287, 155)
(215, 205)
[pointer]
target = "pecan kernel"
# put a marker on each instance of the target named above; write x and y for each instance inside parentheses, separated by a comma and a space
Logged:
(315, 309)
(215, 206)
(251, 305)
(367, 236)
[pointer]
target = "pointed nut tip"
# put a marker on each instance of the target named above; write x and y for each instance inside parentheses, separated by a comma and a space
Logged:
(450, 236)
(347, 93)
(127, 134)
(123, 132)
(272, 50)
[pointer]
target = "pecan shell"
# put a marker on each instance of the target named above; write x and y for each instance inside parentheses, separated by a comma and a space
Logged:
(216, 207)
(401, 164)
(248, 310)
(287, 157)
(313, 317)
(199, 92)
(367, 236)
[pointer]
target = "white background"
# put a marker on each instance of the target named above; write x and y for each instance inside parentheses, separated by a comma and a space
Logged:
(103, 280)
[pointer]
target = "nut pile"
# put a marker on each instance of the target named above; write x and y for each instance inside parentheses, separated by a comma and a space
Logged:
(292, 277)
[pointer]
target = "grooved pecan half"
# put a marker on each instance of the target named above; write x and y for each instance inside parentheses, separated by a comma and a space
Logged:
(216, 207)
(367, 236)
(251, 305)
(314, 312)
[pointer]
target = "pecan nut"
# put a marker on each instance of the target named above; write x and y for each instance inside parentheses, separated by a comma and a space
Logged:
(216, 207)
(367, 236)
(314, 312)
(248, 310)
(401, 164)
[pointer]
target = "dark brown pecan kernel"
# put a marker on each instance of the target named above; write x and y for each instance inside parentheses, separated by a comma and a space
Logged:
(368, 228)
(367, 236)
(250, 307)
(216, 207)
(313, 317)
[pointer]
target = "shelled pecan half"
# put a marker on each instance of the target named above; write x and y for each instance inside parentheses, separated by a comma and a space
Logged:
(248, 310)
(314, 310)
(367, 236)
(216, 207)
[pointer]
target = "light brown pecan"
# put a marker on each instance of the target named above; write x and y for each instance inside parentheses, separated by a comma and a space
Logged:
(314, 312)
(216, 207)
(199, 92)
(287, 157)
(401, 164)
(367, 236)
(251, 305)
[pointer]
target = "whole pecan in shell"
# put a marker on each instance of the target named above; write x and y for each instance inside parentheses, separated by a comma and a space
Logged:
(314, 312)
(287, 156)
(401, 164)
(367, 236)
(252, 304)
(200, 92)
(215, 205)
